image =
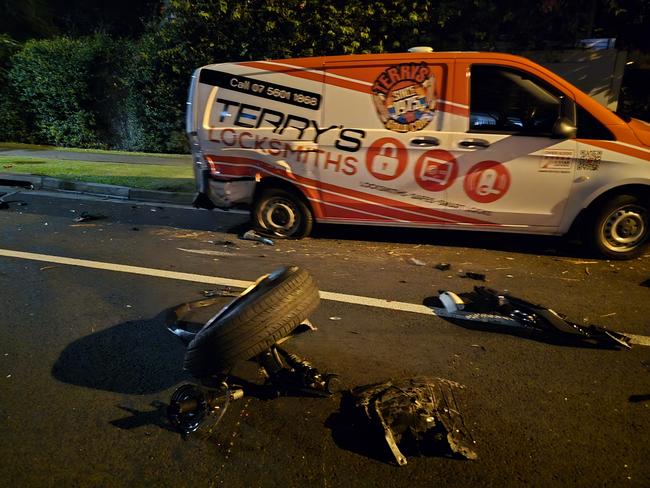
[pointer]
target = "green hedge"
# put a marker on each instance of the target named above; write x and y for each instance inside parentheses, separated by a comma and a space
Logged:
(99, 92)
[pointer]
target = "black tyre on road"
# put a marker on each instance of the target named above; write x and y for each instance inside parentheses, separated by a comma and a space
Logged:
(263, 314)
(619, 227)
(282, 213)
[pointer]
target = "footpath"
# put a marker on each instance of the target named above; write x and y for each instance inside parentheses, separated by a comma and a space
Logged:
(23, 154)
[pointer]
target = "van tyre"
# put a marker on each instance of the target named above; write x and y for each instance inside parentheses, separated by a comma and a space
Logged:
(282, 214)
(257, 319)
(619, 227)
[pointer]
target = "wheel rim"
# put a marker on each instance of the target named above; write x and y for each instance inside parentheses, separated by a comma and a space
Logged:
(281, 216)
(624, 228)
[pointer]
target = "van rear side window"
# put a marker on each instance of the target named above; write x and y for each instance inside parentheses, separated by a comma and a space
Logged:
(504, 100)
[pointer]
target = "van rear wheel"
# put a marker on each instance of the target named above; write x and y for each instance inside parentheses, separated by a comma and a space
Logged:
(619, 228)
(282, 214)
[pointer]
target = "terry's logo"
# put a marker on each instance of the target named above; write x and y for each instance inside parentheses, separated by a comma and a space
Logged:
(404, 97)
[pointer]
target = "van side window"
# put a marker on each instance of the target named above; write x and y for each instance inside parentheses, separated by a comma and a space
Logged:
(510, 101)
(590, 128)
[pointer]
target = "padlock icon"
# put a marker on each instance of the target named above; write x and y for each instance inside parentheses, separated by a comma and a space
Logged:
(386, 161)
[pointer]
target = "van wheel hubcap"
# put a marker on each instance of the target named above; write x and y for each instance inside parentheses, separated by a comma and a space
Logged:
(281, 216)
(624, 228)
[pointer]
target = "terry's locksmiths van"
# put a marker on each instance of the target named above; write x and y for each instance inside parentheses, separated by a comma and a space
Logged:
(475, 141)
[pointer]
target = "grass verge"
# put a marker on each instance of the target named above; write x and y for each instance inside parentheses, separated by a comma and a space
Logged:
(39, 147)
(144, 176)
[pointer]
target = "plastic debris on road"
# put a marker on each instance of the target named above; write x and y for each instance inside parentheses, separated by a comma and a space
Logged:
(412, 416)
(473, 276)
(489, 306)
(225, 292)
(251, 235)
(87, 217)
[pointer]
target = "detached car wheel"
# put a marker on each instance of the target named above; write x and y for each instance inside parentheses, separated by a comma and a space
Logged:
(282, 214)
(263, 314)
(620, 227)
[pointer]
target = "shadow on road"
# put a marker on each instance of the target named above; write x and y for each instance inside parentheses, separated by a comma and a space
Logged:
(522, 243)
(137, 214)
(136, 358)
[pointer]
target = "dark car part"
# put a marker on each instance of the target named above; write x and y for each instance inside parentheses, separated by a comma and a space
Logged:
(264, 313)
(282, 213)
(201, 200)
(288, 374)
(488, 305)
(191, 404)
(250, 327)
(415, 415)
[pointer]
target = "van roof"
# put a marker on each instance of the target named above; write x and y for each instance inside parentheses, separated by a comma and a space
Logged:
(315, 62)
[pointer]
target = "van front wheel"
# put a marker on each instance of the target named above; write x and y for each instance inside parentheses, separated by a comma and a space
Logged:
(282, 214)
(620, 227)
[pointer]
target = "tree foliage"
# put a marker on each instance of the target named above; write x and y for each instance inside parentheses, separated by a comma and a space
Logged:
(127, 87)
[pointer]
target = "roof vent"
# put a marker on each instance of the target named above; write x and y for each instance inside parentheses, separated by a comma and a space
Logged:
(420, 49)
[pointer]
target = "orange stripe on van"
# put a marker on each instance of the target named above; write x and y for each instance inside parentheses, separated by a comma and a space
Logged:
(297, 72)
(619, 148)
(322, 76)
(314, 75)
(396, 208)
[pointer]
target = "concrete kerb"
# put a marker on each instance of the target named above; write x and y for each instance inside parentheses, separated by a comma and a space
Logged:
(114, 191)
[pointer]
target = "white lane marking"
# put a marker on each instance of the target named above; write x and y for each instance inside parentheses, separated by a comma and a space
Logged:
(217, 280)
(638, 339)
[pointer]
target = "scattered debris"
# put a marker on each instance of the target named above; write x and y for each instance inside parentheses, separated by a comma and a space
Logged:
(587, 271)
(639, 398)
(222, 243)
(473, 276)
(3, 203)
(251, 235)
(135, 228)
(417, 262)
(87, 217)
(207, 252)
(7, 166)
(412, 416)
(443, 266)
(211, 353)
(335, 318)
(226, 292)
(609, 314)
(478, 346)
(578, 262)
(489, 306)
(45, 268)
(509, 258)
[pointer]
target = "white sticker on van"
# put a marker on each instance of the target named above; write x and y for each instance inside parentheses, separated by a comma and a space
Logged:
(556, 161)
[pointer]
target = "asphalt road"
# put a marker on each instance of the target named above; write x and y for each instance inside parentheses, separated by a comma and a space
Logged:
(86, 365)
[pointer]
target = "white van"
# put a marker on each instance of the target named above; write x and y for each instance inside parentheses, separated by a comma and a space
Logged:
(473, 141)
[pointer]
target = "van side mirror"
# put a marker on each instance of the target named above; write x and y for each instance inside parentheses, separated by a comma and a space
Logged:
(565, 125)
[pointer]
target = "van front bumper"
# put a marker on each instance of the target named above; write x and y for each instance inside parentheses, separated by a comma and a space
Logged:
(223, 193)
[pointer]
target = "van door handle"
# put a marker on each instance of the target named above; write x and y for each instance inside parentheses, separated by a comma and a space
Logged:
(474, 143)
(425, 141)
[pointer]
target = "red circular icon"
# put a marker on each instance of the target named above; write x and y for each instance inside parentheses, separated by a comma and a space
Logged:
(487, 181)
(436, 170)
(386, 159)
